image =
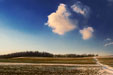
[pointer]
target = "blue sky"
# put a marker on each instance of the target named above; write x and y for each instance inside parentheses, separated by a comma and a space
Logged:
(56, 26)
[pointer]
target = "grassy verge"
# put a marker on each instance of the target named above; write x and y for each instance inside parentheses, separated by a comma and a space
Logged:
(50, 60)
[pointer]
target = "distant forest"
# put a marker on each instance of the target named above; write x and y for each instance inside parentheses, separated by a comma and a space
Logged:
(43, 54)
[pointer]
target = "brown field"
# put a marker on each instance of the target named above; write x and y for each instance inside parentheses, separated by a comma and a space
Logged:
(85, 60)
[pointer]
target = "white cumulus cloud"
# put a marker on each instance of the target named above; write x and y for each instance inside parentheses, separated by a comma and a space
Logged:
(59, 21)
(79, 8)
(87, 33)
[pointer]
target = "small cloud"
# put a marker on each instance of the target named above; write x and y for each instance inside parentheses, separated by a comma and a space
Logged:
(110, 0)
(108, 44)
(108, 39)
(79, 8)
(59, 21)
(87, 33)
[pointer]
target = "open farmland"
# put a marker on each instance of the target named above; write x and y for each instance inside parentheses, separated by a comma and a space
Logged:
(85, 60)
(50, 66)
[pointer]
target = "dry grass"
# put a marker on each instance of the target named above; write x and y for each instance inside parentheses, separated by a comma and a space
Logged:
(50, 60)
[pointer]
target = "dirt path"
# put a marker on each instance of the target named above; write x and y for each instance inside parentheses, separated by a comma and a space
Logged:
(105, 67)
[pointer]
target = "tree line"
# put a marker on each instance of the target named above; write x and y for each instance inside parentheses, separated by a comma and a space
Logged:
(43, 54)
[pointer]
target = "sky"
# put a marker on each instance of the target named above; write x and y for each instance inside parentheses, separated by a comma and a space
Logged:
(57, 26)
